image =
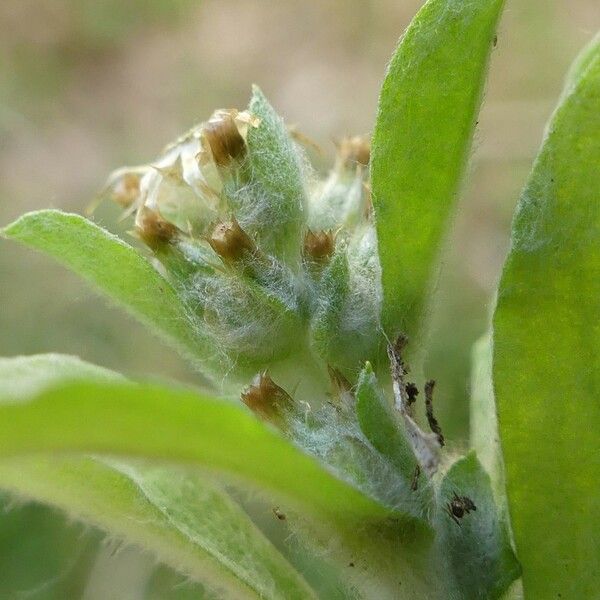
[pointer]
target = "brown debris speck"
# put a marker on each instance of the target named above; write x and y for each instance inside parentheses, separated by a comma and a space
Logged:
(415, 479)
(412, 391)
(433, 423)
(458, 507)
(399, 371)
(280, 515)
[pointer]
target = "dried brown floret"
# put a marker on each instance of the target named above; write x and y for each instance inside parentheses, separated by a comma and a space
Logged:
(153, 229)
(230, 241)
(319, 245)
(222, 135)
(265, 398)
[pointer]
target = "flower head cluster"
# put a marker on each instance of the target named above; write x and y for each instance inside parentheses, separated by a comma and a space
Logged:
(277, 266)
(280, 273)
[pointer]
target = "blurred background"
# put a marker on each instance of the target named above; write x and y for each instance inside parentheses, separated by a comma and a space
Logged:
(89, 85)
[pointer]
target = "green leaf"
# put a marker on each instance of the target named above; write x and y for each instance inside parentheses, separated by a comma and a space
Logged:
(115, 268)
(477, 550)
(484, 434)
(279, 201)
(185, 522)
(546, 343)
(381, 427)
(180, 426)
(187, 429)
(22, 377)
(43, 556)
(388, 435)
(427, 111)
(327, 325)
(166, 584)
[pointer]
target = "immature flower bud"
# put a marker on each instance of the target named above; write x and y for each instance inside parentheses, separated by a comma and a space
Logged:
(301, 283)
(319, 246)
(230, 241)
(266, 398)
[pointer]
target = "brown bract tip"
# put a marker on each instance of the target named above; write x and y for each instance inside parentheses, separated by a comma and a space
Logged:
(230, 241)
(222, 135)
(319, 245)
(265, 397)
(353, 151)
(153, 229)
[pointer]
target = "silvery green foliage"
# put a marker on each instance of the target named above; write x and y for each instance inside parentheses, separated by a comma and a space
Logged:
(280, 270)
(269, 278)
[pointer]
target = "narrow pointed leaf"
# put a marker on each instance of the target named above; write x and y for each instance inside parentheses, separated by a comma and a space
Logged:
(484, 434)
(379, 424)
(43, 555)
(185, 522)
(546, 351)
(388, 435)
(279, 204)
(115, 268)
(427, 111)
(179, 426)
